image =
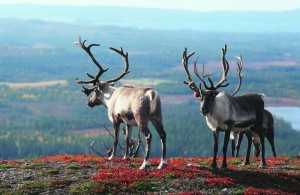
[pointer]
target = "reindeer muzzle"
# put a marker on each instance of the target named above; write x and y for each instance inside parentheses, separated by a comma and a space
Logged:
(90, 104)
(204, 111)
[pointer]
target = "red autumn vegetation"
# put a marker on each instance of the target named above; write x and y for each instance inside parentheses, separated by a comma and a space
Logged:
(181, 176)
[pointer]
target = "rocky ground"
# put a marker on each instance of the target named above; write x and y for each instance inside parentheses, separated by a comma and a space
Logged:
(89, 174)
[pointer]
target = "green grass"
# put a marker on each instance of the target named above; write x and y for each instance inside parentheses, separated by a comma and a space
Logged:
(32, 165)
(85, 188)
(6, 166)
(73, 167)
(50, 172)
(33, 187)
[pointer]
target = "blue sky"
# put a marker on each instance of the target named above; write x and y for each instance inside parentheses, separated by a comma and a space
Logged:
(195, 5)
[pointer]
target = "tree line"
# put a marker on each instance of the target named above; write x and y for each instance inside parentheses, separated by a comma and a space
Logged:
(187, 135)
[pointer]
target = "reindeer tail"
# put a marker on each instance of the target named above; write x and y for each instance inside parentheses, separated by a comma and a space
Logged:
(263, 96)
(155, 104)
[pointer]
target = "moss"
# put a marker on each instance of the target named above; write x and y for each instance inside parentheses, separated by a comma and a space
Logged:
(37, 185)
(145, 186)
(6, 166)
(50, 172)
(170, 176)
(32, 166)
(237, 192)
(73, 167)
(204, 162)
(89, 187)
(33, 188)
(235, 161)
(5, 190)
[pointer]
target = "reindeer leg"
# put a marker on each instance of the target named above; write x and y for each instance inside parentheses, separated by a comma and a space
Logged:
(253, 136)
(127, 137)
(116, 138)
(148, 137)
(241, 135)
(270, 138)
(258, 126)
(216, 139)
(263, 160)
(271, 141)
(226, 140)
(257, 147)
(232, 137)
(162, 134)
(247, 159)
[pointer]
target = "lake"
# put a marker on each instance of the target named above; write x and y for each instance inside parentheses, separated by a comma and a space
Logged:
(290, 114)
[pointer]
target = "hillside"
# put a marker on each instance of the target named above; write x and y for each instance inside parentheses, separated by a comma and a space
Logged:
(89, 174)
(46, 130)
(40, 116)
(159, 19)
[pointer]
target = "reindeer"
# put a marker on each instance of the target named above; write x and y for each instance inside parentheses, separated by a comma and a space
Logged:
(226, 113)
(268, 128)
(129, 105)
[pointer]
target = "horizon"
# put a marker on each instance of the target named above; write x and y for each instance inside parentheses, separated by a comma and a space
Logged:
(188, 5)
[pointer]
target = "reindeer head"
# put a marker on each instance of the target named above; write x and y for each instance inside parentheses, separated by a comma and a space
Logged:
(99, 87)
(95, 98)
(208, 95)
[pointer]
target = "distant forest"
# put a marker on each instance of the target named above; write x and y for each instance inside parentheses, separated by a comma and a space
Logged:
(51, 120)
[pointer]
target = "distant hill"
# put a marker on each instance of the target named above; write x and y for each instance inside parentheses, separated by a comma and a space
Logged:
(35, 50)
(159, 19)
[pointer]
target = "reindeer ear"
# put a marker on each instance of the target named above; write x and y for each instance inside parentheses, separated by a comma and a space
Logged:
(99, 86)
(215, 93)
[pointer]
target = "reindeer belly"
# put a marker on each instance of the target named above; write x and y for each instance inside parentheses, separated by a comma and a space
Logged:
(237, 124)
(123, 112)
(127, 117)
(133, 108)
(241, 126)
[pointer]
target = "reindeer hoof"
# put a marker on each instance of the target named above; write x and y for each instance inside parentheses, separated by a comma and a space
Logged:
(245, 163)
(213, 167)
(224, 167)
(125, 157)
(162, 164)
(145, 165)
(262, 166)
(111, 157)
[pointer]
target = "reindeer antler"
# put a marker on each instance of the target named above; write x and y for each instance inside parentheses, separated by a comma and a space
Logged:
(202, 78)
(94, 79)
(225, 66)
(185, 63)
(239, 70)
(126, 71)
(88, 91)
(212, 87)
